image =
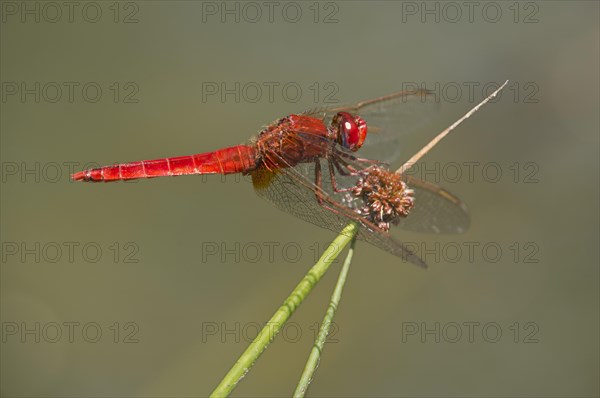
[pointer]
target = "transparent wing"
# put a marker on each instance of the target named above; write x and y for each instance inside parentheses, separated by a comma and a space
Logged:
(307, 191)
(389, 119)
(436, 210)
(292, 191)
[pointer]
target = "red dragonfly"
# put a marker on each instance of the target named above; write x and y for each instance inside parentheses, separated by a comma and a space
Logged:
(317, 166)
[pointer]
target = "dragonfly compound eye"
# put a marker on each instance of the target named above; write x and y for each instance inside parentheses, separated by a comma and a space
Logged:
(352, 130)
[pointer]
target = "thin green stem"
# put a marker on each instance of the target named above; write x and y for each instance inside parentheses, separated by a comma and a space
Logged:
(291, 303)
(315, 354)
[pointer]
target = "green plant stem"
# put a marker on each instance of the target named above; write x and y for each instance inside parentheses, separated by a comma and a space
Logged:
(315, 353)
(291, 303)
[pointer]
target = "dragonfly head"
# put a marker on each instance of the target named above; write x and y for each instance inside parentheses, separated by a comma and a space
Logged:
(351, 130)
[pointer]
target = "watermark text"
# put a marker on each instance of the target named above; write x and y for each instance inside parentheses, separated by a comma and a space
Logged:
(38, 252)
(69, 332)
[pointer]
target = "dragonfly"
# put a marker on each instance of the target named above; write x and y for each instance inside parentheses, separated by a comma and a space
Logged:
(327, 166)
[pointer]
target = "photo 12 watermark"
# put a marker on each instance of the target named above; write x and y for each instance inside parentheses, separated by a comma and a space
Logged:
(237, 332)
(518, 12)
(36, 172)
(251, 12)
(35, 332)
(269, 92)
(472, 91)
(52, 252)
(476, 252)
(70, 12)
(476, 172)
(70, 92)
(469, 332)
(251, 252)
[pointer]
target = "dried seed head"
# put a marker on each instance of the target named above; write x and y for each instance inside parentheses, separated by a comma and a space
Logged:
(385, 196)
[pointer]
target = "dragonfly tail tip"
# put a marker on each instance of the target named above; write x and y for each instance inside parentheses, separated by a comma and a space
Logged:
(79, 176)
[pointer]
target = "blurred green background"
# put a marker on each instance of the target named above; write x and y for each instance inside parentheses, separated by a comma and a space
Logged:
(173, 317)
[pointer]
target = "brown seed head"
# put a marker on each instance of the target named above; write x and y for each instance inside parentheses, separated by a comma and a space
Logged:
(385, 196)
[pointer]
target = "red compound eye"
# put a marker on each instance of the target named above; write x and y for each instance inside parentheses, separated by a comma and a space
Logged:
(352, 130)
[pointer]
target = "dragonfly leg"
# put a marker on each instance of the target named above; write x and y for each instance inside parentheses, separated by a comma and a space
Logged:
(343, 172)
(319, 193)
(341, 169)
(353, 158)
(339, 162)
(365, 160)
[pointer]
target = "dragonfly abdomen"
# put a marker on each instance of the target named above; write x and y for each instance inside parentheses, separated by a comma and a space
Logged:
(236, 159)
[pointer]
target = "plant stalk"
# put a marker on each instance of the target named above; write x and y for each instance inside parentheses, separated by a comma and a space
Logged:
(315, 354)
(291, 303)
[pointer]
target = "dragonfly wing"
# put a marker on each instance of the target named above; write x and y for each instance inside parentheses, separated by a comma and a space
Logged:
(292, 189)
(436, 210)
(390, 119)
